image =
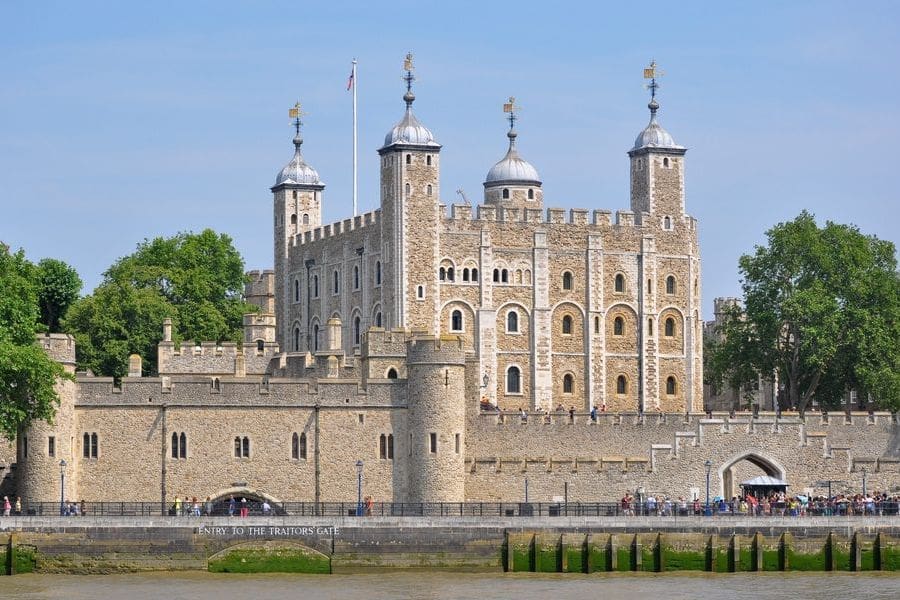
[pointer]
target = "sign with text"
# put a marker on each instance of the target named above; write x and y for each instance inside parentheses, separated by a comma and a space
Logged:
(269, 531)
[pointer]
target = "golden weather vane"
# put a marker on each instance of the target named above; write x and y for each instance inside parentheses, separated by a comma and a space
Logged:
(294, 113)
(511, 107)
(651, 73)
(409, 68)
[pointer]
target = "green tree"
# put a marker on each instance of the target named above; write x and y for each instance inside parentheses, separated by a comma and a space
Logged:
(58, 286)
(27, 374)
(822, 310)
(196, 279)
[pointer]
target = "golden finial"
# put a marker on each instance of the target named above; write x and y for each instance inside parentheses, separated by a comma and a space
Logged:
(408, 62)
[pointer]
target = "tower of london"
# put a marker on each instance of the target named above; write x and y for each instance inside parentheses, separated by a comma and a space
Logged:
(433, 346)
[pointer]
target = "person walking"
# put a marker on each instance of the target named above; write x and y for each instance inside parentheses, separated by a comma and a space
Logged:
(177, 506)
(209, 506)
(231, 506)
(18, 506)
(245, 510)
(7, 507)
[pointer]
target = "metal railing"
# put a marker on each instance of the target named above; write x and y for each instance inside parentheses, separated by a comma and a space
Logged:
(223, 508)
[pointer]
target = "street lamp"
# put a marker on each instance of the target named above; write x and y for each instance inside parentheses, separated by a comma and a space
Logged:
(359, 503)
(865, 474)
(708, 465)
(62, 487)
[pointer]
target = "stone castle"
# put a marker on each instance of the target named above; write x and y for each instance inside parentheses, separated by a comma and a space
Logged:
(436, 347)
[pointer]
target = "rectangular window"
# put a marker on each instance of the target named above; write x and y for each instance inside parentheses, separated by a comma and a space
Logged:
(432, 442)
(457, 443)
(25, 446)
(382, 446)
(51, 446)
(94, 446)
(390, 446)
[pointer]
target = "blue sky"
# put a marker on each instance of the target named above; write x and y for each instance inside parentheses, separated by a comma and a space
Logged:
(124, 121)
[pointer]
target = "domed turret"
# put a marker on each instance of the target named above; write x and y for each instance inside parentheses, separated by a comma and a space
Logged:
(297, 172)
(653, 135)
(513, 181)
(409, 131)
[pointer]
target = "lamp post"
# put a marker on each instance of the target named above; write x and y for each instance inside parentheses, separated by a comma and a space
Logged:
(359, 504)
(62, 487)
(708, 465)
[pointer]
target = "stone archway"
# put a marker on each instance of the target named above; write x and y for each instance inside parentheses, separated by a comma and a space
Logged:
(254, 497)
(768, 465)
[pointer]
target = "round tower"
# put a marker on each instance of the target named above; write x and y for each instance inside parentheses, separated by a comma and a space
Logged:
(513, 182)
(41, 447)
(298, 194)
(436, 419)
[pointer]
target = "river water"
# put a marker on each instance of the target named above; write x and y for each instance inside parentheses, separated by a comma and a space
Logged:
(428, 586)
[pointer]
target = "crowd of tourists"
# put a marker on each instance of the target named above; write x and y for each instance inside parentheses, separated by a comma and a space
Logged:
(777, 504)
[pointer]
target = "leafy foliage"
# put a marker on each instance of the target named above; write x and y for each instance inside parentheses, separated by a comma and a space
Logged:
(822, 310)
(195, 279)
(58, 286)
(27, 374)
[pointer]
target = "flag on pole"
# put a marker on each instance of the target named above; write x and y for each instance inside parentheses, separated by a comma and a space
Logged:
(350, 80)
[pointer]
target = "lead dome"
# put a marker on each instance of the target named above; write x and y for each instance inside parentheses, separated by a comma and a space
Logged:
(410, 131)
(653, 135)
(297, 172)
(512, 168)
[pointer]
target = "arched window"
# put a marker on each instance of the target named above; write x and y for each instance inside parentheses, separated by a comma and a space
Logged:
(666, 162)
(174, 445)
(428, 190)
(567, 280)
(378, 272)
(466, 274)
(621, 385)
(512, 322)
(420, 292)
(649, 286)
(294, 194)
(496, 275)
(671, 386)
(513, 380)
(293, 219)
(450, 274)
(620, 282)
(567, 325)
(667, 223)
(568, 383)
(474, 274)
(260, 345)
(303, 446)
(670, 327)
(530, 194)
(456, 321)
(382, 446)
(356, 331)
(378, 319)
(428, 160)
(409, 159)
(336, 285)
(305, 219)
(670, 284)
(442, 274)
(406, 189)
(315, 286)
(392, 373)
(295, 446)
(505, 193)
(650, 326)
(504, 276)
(619, 326)
(245, 447)
(596, 324)
(316, 337)
(519, 276)
(296, 339)
(182, 447)
(390, 446)
(355, 277)
(296, 290)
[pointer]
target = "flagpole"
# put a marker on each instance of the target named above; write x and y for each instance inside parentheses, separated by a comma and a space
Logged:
(355, 184)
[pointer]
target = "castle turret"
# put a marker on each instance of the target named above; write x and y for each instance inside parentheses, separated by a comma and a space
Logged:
(657, 169)
(513, 182)
(42, 447)
(410, 176)
(298, 194)
(436, 419)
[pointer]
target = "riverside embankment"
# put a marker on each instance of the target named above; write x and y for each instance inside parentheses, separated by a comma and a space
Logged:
(358, 544)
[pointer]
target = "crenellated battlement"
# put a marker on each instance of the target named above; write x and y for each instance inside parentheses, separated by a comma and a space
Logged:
(369, 219)
(601, 219)
(214, 359)
(59, 346)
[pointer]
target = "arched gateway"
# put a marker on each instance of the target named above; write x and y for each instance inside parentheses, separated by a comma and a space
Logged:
(743, 461)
